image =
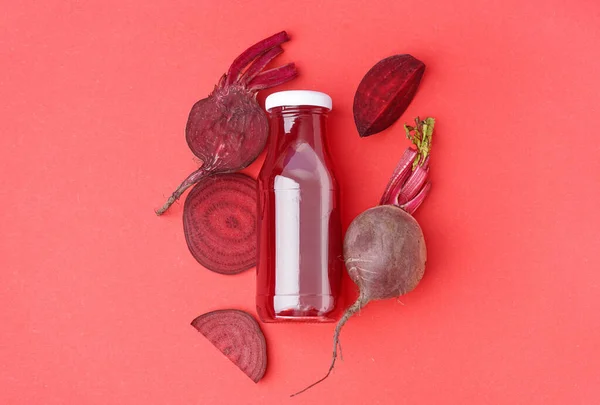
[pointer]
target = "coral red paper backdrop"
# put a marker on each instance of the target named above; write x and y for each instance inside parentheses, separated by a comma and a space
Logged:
(97, 293)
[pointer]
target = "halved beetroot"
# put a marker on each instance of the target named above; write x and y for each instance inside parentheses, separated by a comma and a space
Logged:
(228, 129)
(238, 336)
(219, 222)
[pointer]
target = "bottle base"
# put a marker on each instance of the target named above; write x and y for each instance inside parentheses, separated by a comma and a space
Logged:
(295, 318)
(296, 308)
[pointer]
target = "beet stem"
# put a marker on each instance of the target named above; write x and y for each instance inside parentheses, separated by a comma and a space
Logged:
(413, 185)
(412, 205)
(273, 77)
(259, 64)
(358, 304)
(408, 186)
(187, 183)
(221, 82)
(252, 53)
(401, 173)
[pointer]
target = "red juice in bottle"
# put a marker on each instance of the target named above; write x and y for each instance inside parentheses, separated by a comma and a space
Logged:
(299, 233)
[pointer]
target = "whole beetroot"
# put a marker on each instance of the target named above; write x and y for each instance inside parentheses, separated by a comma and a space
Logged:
(385, 267)
(228, 129)
(384, 247)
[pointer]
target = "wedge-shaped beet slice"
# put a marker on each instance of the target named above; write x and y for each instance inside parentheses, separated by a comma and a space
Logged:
(385, 93)
(219, 222)
(237, 335)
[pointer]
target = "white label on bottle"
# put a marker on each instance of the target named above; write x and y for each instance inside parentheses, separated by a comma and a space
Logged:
(287, 236)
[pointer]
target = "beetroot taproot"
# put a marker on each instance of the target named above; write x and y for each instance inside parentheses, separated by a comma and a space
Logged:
(384, 247)
(385, 92)
(219, 222)
(228, 129)
(238, 336)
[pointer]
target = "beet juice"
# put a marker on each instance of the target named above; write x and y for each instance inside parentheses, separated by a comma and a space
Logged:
(299, 235)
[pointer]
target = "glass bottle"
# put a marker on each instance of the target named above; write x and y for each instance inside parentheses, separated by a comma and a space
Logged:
(299, 233)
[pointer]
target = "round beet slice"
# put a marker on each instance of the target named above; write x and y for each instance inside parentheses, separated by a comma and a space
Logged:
(219, 222)
(237, 335)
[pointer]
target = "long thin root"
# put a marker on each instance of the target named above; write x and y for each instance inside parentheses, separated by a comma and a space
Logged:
(354, 308)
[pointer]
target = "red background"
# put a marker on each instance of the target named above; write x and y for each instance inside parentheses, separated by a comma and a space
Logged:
(96, 292)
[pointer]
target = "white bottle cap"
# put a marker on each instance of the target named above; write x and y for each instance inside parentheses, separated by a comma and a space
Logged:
(298, 98)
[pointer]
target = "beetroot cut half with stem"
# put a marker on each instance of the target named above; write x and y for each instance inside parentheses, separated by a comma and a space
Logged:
(228, 129)
(238, 336)
(219, 222)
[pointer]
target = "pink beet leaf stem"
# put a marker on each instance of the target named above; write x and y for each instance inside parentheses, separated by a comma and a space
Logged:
(273, 77)
(259, 64)
(252, 53)
(409, 184)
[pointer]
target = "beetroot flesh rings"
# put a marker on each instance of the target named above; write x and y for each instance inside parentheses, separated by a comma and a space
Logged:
(385, 92)
(228, 129)
(219, 222)
(238, 336)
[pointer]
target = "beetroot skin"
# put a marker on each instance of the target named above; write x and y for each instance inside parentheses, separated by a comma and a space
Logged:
(386, 267)
(384, 247)
(238, 336)
(219, 222)
(228, 129)
(385, 92)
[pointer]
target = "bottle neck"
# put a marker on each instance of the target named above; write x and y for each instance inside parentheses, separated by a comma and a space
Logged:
(306, 124)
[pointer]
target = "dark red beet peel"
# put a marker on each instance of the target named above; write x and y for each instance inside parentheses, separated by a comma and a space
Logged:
(228, 129)
(237, 335)
(219, 222)
(385, 92)
(384, 247)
